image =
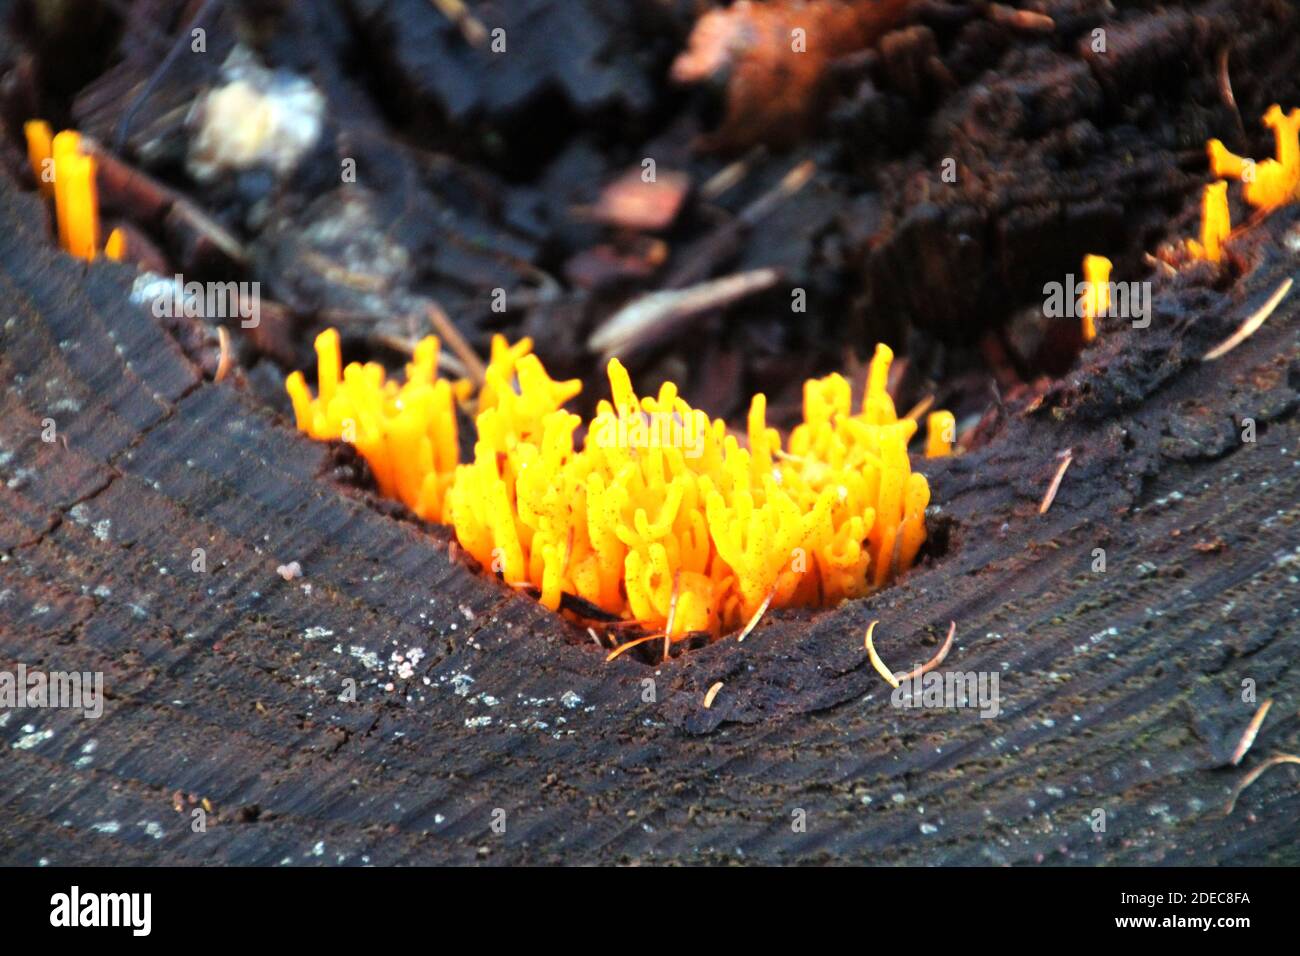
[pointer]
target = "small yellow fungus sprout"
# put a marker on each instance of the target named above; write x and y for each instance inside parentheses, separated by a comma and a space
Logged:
(75, 201)
(1270, 183)
(115, 245)
(407, 432)
(940, 432)
(1095, 299)
(1224, 164)
(1216, 224)
(40, 154)
(661, 516)
(66, 173)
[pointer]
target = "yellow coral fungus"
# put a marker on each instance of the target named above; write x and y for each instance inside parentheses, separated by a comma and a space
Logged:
(76, 202)
(661, 516)
(1216, 224)
(1095, 299)
(1225, 164)
(115, 245)
(406, 433)
(940, 432)
(40, 153)
(1269, 183)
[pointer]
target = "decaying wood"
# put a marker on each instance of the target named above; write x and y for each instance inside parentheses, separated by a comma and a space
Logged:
(1121, 690)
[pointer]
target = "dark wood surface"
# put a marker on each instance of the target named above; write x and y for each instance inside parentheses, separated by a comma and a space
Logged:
(1120, 690)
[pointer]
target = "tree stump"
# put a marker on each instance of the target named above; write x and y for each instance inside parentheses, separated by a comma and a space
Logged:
(1121, 690)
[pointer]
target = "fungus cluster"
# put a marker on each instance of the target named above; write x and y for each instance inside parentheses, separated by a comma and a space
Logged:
(406, 432)
(1269, 183)
(66, 173)
(658, 515)
(1095, 299)
(1266, 185)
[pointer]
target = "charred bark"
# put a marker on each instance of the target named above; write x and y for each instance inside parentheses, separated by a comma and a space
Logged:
(1121, 690)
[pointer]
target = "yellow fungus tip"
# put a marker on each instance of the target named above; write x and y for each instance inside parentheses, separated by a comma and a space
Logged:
(940, 433)
(115, 245)
(1216, 222)
(1095, 300)
(40, 154)
(66, 173)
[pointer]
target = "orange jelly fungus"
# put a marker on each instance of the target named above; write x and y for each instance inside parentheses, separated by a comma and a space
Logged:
(1095, 299)
(661, 516)
(63, 171)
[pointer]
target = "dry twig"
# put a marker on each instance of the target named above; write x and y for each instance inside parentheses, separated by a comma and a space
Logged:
(713, 692)
(456, 342)
(1254, 775)
(1067, 456)
(1251, 325)
(1252, 729)
(653, 316)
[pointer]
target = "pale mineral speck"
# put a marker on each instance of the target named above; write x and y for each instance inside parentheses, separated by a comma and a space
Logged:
(31, 738)
(461, 682)
(153, 829)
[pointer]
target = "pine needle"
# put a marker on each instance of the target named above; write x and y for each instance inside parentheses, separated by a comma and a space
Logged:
(758, 615)
(226, 360)
(672, 614)
(713, 692)
(1067, 456)
(1255, 775)
(629, 645)
(1251, 325)
(938, 658)
(876, 662)
(1252, 729)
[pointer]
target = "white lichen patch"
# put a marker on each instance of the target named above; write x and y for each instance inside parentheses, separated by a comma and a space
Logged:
(31, 738)
(257, 119)
(152, 829)
(369, 659)
(460, 683)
